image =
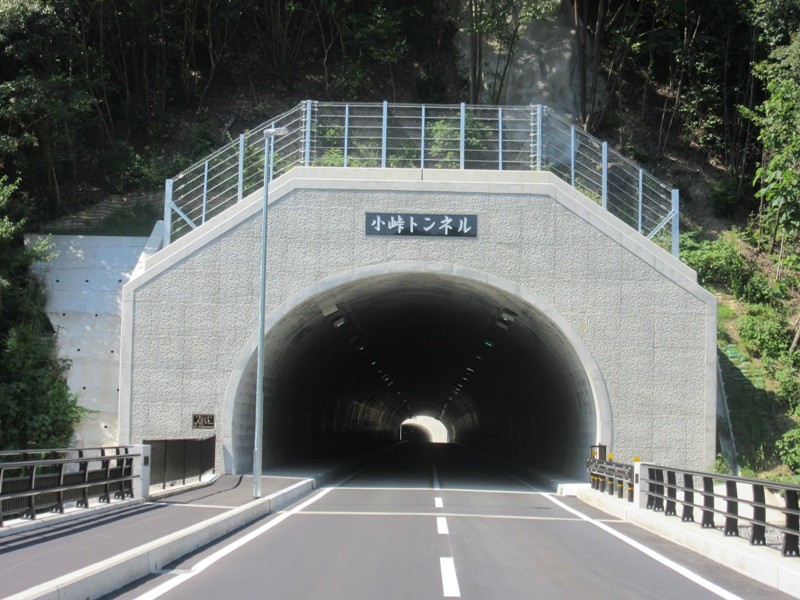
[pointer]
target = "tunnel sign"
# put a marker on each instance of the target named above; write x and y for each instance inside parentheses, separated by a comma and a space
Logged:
(202, 421)
(450, 225)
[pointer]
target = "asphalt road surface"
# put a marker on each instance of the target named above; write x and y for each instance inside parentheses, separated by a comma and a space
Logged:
(436, 521)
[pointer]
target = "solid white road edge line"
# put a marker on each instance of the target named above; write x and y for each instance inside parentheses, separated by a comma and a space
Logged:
(427, 489)
(224, 551)
(449, 580)
(437, 502)
(690, 575)
(441, 526)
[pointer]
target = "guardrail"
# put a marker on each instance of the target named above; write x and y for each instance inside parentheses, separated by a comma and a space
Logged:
(178, 460)
(461, 136)
(33, 481)
(668, 490)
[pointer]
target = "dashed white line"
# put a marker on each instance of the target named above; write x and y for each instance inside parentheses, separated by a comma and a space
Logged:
(437, 502)
(449, 579)
(441, 526)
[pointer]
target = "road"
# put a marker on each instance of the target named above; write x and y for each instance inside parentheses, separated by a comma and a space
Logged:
(436, 521)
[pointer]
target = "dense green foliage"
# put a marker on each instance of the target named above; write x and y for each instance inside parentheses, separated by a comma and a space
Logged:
(36, 408)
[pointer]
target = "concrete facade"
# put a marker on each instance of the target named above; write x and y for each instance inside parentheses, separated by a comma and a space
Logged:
(643, 329)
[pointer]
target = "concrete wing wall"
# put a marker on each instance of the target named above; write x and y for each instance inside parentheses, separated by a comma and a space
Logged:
(648, 326)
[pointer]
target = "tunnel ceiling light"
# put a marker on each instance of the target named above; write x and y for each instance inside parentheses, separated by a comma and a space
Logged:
(373, 363)
(502, 325)
(470, 369)
(338, 322)
(329, 310)
(478, 357)
(508, 316)
(361, 348)
(390, 383)
(488, 343)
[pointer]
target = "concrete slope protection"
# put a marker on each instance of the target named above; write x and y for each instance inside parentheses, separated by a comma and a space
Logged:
(554, 328)
(390, 533)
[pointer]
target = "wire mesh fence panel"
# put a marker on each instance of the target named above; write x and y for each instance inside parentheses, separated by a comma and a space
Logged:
(330, 134)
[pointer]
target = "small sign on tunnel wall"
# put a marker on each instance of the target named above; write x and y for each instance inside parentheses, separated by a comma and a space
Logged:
(449, 225)
(202, 421)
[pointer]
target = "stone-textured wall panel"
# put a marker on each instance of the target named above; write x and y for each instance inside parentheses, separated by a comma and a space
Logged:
(638, 325)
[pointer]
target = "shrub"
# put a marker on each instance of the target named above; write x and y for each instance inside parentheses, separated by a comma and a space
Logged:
(789, 449)
(722, 197)
(765, 331)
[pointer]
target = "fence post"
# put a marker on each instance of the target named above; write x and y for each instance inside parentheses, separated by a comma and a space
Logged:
(141, 467)
(676, 220)
(422, 141)
(604, 180)
(271, 173)
(538, 137)
(167, 211)
(205, 192)
(572, 155)
(641, 194)
(384, 131)
(240, 186)
(462, 135)
(307, 157)
(346, 131)
(533, 141)
(500, 138)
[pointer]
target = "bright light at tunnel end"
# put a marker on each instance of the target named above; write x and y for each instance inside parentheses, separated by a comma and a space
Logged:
(434, 427)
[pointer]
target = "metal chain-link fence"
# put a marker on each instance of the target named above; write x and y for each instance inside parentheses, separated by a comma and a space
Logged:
(414, 136)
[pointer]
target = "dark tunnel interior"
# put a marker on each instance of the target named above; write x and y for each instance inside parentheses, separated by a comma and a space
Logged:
(346, 368)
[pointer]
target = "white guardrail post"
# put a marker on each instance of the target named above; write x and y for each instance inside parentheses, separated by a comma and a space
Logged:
(167, 211)
(141, 467)
(676, 221)
(604, 180)
(639, 497)
(240, 183)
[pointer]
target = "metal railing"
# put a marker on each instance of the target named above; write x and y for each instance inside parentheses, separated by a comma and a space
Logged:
(668, 490)
(611, 477)
(174, 461)
(35, 481)
(504, 138)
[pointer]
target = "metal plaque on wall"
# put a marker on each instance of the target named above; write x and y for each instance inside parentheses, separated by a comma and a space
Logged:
(450, 225)
(202, 421)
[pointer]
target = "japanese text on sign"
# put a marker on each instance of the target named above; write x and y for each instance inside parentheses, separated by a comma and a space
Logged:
(202, 421)
(450, 225)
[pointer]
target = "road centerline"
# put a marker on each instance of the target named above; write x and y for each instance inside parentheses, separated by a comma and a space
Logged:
(450, 587)
(441, 526)
(437, 502)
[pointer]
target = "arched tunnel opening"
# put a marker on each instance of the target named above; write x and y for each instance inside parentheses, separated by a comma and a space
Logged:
(348, 366)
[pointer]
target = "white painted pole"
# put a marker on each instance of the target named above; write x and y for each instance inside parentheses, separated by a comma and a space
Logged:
(676, 220)
(384, 132)
(538, 137)
(572, 155)
(307, 157)
(422, 140)
(499, 138)
(346, 131)
(240, 186)
(641, 197)
(205, 193)
(604, 181)
(462, 135)
(269, 134)
(167, 211)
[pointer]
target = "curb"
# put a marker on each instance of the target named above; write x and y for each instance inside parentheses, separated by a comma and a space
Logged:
(762, 564)
(113, 573)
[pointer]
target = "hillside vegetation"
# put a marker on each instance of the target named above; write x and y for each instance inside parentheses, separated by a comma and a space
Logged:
(107, 96)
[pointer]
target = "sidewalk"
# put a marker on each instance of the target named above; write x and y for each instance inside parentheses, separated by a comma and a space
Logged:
(91, 556)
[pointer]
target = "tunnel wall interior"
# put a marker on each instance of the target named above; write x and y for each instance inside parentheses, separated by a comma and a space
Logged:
(610, 339)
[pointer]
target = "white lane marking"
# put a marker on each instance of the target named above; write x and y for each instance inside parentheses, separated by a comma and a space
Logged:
(441, 526)
(224, 551)
(415, 489)
(436, 485)
(356, 513)
(437, 502)
(186, 505)
(449, 579)
(690, 575)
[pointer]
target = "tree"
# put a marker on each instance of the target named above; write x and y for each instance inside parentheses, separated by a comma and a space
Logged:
(36, 408)
(778, 176)
(497, 22)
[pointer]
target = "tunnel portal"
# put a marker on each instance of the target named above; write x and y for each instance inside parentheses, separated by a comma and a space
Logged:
(554, 327)
(348, 366)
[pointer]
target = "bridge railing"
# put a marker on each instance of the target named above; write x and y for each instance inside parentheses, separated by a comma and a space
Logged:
(670, 491)
(35, 481)
(457, 136)
(175, 461)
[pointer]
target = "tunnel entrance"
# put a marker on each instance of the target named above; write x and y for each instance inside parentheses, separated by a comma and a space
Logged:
(353, 360)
